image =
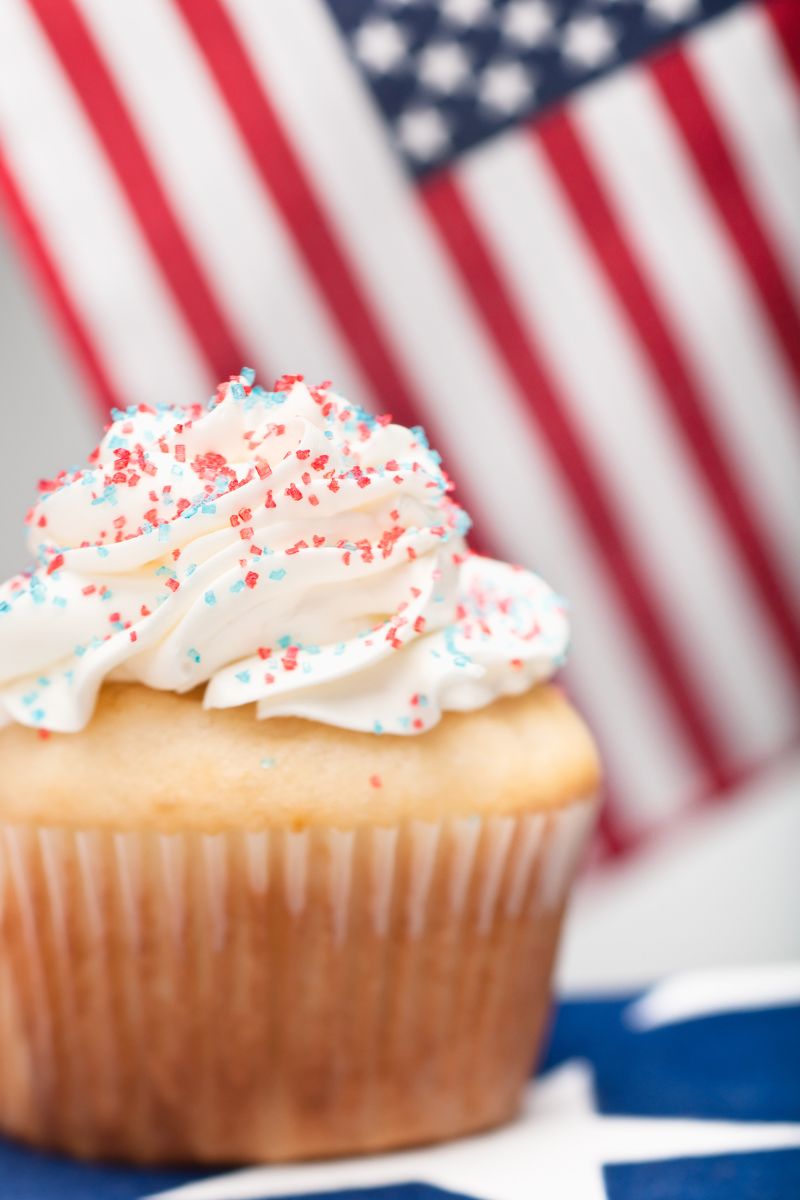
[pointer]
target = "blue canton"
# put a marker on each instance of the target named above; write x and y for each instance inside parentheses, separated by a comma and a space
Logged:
(446, 76)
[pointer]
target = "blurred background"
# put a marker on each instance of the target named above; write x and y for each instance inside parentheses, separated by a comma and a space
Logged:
(561, 234)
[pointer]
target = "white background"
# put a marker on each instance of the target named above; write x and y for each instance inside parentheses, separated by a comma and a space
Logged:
(724, 887)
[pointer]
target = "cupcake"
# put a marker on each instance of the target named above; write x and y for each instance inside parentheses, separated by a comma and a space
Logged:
(288, 811)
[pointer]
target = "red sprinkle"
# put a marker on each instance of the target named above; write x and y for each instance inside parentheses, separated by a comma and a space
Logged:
(57, 562)
(251, 578)
(375, 781)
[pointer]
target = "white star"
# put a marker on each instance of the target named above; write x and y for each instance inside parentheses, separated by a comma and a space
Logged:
(506, 87)
(423, 133)
(588, 41)
(556, 1148)
(444, 66)
(669, 12)
(527, 22)
(465, 12)
(381, 45)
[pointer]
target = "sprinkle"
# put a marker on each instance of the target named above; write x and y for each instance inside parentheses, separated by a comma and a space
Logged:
(243, 676)
(57, 562)
(267, 763)
(294, 492)
(375, 781)
(193, 655)
(173, 585)
(277, 574)
(238, 586)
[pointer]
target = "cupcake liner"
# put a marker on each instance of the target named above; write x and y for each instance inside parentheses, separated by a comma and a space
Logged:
(276, 994)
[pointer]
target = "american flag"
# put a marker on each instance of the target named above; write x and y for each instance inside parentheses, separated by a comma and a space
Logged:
(561, 234)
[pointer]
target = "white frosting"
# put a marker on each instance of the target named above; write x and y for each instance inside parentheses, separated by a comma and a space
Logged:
(284, 548)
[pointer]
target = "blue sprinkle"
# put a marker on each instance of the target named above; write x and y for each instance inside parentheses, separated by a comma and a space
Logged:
(377, 727)
(237, 391)
(60, 601)
(5, 606)
(278, 574)
(210, 598)
(243, 676)
(103, 551)
(163, 532)
(209, 508)
(285, 642)
(266, 763)
(329, 434)
(238, 586)
(193, 655)
(79, 651)
(248, 374)
(38, 715)
(30, 699)
(190, 570)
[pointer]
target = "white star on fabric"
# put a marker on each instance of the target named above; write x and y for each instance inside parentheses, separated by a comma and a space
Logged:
(465, 12)
(588, 41)
(556, 1148)
(380, 45)
(444, 66)
(527, 22)
(669, 12)
(423, 133)
(506, 87)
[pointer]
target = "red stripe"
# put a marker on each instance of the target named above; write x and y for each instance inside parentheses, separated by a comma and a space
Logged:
(284, 178)
(56, 295)
(104, 107)
(590, 204)
(448, 209)
(785, 18)
(681, 90)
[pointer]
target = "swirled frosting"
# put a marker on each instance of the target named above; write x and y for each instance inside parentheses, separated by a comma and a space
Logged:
(283, 548)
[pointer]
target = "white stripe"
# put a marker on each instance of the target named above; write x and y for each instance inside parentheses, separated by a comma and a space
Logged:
(747, 81)
(458, 374)
(692, 265)
(86, 224)
(216, 192)
(715, 991)
(595, 356)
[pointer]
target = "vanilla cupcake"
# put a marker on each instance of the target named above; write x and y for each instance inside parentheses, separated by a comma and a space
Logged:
(288, 814)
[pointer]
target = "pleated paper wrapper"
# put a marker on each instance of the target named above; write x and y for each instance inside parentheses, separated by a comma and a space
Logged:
(274, 995)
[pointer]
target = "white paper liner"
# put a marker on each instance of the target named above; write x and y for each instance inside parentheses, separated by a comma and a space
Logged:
(275, 994)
